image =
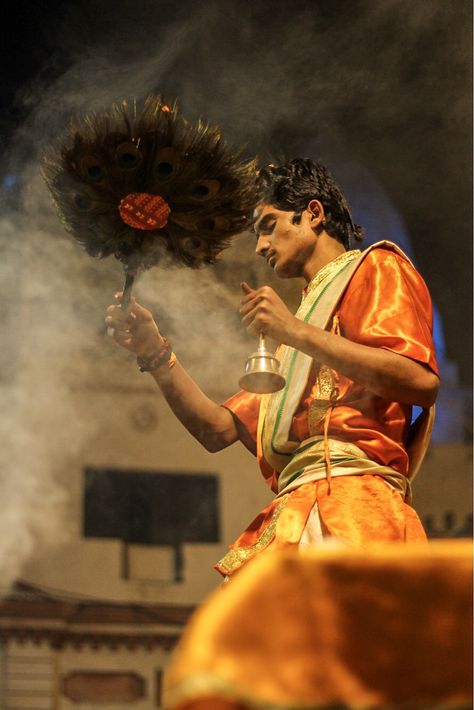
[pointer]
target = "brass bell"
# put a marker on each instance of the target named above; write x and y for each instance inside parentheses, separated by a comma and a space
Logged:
(261, 373)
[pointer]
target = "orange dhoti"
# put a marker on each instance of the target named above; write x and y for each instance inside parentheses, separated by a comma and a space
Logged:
(359, 510)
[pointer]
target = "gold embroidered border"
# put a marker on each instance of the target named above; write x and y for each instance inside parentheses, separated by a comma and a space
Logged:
(332, 266)
(325, 387)
(236, 557)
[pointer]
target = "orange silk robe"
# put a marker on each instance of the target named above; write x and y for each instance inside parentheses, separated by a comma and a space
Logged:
(386, 305)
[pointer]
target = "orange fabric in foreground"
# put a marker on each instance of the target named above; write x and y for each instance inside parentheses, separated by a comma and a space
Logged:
(387, 628)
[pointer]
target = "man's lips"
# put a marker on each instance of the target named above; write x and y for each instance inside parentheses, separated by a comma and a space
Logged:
(271, 258)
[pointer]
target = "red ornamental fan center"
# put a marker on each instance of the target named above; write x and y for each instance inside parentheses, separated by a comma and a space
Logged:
(143, 211)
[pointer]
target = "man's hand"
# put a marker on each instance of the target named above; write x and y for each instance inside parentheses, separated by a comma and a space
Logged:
(263, 311)
(212, 425)
(133, 328)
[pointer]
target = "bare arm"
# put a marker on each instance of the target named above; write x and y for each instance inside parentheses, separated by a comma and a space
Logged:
(391, 376)
(212, 425)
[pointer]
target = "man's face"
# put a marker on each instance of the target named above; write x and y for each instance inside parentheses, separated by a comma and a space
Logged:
(285, 239)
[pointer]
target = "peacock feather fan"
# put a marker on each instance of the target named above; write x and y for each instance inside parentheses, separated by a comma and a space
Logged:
(139, 183)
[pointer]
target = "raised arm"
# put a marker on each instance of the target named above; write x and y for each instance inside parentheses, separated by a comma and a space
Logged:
(212, 425)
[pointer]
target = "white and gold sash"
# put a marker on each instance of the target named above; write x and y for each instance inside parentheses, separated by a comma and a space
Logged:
(317, 307)
(277, 410)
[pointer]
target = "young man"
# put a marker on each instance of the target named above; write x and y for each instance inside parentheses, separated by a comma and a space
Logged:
(333, 444)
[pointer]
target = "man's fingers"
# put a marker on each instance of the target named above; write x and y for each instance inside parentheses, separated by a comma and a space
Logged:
(246, 288)
(124, 309)
(116, 318)
(262, 293)
(250, 294)
(121, 336)
(253, 321)
(140, 313)
(136, 312)
(247, 306)
(248, 318)
(118, 322)
(132, 304)
(256, 298)
(133, 314)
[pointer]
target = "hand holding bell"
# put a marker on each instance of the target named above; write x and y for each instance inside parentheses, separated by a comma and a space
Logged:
(261, 374)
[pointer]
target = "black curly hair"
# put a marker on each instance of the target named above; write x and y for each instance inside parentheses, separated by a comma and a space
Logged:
(293, 185)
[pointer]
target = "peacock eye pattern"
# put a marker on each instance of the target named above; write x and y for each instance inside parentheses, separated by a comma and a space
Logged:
(150, 152)
(200, 191)
(164, 170)
(82, 202)
(128, 156)
(92, 169)
(95, 172)
(207, 225)
(166, 163)
(205, 189)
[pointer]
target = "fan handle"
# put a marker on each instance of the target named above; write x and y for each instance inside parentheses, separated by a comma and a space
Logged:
(127, 287)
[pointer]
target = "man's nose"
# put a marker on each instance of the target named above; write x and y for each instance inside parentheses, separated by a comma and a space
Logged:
(263, 245)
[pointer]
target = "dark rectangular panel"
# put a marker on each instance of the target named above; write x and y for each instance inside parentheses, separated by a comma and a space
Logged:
(151, 508)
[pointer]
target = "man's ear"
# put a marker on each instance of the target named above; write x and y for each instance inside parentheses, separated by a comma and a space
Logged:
(316, 211)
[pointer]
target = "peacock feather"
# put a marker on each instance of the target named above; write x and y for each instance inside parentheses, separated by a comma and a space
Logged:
(139, 183)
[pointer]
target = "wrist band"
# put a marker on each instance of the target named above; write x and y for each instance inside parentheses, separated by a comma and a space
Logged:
(156, 360)
(172, 361)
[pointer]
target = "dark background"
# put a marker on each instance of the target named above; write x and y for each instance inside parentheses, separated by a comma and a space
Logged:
(386, 83)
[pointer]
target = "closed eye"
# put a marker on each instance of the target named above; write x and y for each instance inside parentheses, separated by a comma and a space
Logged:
(267, 230)
(265, 226)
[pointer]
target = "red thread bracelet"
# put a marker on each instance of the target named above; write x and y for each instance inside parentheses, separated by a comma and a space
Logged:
(156, 360)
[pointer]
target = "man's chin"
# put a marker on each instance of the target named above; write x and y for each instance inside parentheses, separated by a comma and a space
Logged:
(282, 272)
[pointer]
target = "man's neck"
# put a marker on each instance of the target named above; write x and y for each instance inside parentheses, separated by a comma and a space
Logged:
(327, 249)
